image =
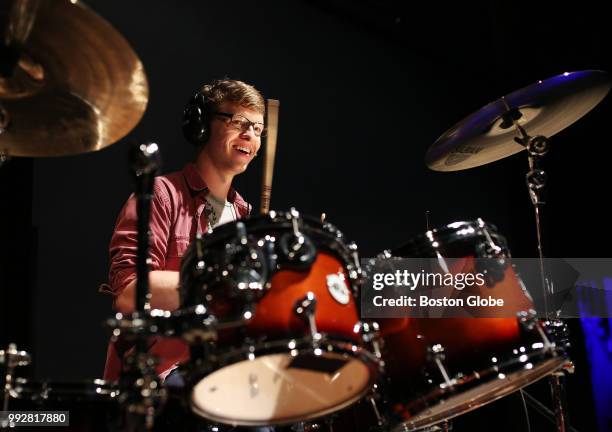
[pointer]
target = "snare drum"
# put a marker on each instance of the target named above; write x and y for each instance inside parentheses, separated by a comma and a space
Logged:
(438, 368)
(282, 290)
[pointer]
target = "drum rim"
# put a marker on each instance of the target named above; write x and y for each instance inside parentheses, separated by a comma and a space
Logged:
(275, 218)
(449, 233)
(515, 382)
(551, 356)
(281, 346)
(324, 230)
(326, 237)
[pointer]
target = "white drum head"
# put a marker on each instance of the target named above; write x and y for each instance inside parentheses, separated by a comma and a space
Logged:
(280, 388)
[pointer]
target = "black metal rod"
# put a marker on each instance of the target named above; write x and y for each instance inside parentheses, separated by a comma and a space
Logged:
(145, 162)
(559, 401)
(143, 295)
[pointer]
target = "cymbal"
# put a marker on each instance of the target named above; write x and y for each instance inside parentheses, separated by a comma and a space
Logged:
(75, 85)
(543, 108)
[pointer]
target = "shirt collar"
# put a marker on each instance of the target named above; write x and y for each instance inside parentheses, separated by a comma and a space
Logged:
(197, 184)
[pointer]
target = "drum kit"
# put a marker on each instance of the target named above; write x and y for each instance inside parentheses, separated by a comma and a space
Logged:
(270, 305)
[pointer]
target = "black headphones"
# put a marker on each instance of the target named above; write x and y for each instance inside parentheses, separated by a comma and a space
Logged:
(196, 120)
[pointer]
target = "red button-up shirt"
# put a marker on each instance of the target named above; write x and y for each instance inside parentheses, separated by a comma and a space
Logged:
(177, 215)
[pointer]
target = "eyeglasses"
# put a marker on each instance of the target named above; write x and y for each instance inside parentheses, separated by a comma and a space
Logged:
(243, 124)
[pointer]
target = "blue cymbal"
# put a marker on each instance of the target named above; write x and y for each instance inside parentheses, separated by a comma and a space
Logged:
(543, 108)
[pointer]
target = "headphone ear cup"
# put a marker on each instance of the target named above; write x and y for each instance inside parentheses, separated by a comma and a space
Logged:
(195, 120)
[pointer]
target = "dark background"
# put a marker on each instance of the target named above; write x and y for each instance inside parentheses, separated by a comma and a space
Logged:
(365, 88)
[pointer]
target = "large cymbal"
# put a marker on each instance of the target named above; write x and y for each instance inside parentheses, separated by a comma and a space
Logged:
(543, 108)
(75, 84)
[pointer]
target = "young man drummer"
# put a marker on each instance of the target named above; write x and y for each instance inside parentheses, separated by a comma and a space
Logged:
(225, 120)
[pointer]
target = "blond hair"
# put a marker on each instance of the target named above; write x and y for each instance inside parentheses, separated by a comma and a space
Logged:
(234, 91)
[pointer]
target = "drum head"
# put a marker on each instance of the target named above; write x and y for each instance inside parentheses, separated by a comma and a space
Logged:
(281, 389)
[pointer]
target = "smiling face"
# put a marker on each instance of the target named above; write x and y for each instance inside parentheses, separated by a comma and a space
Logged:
(229, 149)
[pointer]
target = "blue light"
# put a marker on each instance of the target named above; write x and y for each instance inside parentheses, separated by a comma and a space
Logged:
(598, 341)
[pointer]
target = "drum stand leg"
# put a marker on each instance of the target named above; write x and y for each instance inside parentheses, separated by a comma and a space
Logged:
(559, 416)
(557, 389)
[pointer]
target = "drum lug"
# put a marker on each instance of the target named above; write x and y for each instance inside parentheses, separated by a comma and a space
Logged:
(559, 331)
(437, 356)
(305, 308)
(309, 426)
(248, 311)
(568, 367)
(297, 249)
(527, 319)
(268, 245)
(355, 272)
(370, 334)
(492, 250)
(386, 254)
(529, 322)
(295, 221)
(445, 426)
(246, 265)
(241, 233)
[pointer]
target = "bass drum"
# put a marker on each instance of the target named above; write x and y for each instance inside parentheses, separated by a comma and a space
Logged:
(439, 368)
(281, 290)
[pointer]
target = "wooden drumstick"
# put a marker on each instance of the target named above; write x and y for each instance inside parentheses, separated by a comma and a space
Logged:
(270, 153)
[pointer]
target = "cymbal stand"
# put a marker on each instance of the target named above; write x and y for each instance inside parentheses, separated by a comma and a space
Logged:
(141, 390)
(537, 146)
